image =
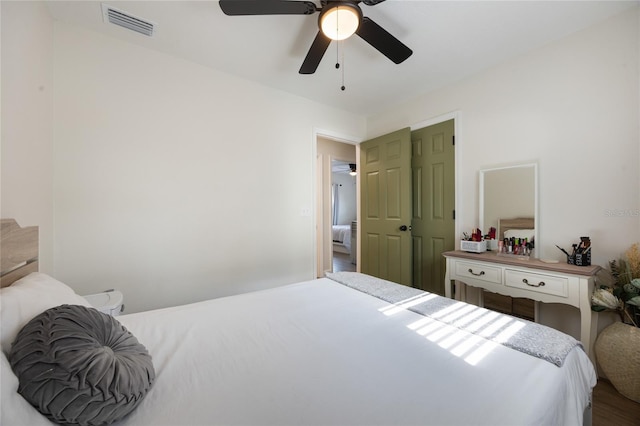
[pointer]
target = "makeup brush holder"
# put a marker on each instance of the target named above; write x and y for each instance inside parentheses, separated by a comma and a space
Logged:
(580, 259)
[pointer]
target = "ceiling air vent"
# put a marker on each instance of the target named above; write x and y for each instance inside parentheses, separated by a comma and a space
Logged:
(126, 20)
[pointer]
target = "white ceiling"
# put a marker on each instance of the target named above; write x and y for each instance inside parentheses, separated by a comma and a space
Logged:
(450, 41)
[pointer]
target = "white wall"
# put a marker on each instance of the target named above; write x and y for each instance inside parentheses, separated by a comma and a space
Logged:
(346, 197)
(174, 182)
(573, 107)
(27, 120)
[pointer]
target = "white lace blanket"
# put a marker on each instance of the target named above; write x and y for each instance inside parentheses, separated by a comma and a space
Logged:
(525, 336)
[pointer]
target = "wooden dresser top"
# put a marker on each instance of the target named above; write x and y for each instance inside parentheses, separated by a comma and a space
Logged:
(532, 263)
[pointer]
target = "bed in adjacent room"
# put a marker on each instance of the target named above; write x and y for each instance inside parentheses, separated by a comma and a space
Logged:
(345, 350)
(341, 235)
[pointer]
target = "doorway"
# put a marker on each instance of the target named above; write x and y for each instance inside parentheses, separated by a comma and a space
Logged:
(343, 215)
(333, 167)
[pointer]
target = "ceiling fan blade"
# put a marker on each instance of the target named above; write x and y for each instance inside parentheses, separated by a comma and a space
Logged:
(379, 38)
(372, 2)
(315, 54)
(267, 7)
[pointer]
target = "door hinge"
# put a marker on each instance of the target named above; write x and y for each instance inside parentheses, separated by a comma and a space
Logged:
(454, 215)
(453, 140)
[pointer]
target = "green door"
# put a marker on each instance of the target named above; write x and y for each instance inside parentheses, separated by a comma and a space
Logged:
(385, 164)
(433, 188)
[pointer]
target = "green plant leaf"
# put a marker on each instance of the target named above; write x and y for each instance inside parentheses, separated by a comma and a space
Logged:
(631, 290)
(624, 271)
(636, 283)
(635, 301)
(618, 292)
(597, 308)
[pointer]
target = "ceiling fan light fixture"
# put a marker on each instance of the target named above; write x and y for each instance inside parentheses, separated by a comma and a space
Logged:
(340, 20)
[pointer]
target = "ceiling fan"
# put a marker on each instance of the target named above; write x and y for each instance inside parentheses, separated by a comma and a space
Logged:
(338, 20)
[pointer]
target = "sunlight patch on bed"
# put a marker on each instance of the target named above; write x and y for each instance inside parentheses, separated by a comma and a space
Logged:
(482, 321)
(451, 310)
(494, 326)
(509, 332)
(460, 312)
(406, 304)
(477, 355)
(466, 345)
(453, 339)
(466, 331)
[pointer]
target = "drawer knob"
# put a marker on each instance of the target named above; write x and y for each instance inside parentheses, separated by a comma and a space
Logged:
(540, 284)
(477, 274)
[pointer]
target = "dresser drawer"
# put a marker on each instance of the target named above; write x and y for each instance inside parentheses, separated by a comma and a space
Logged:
(547, 284)
(479, 271)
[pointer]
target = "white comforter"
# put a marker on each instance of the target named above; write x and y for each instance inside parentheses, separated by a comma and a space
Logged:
(320, 353)
(341, 233)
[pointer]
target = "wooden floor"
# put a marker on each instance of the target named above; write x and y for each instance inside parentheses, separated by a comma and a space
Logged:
(609, 407)
(342, 262)
(612, 409)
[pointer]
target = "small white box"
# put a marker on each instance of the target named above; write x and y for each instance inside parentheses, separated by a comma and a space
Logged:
(108, 302)
(473, 246)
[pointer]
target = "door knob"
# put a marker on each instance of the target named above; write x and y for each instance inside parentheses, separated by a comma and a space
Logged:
(404, 228)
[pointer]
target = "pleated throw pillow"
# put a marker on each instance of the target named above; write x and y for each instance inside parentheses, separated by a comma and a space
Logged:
(77, 365)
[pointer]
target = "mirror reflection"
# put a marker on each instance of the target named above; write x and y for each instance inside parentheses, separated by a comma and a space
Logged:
(509, 201)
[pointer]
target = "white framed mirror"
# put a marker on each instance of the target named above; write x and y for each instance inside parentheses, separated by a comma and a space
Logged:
(508, 198)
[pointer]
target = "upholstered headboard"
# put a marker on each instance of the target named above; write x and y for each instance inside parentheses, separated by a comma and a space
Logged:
(506, 225)
(18, 251)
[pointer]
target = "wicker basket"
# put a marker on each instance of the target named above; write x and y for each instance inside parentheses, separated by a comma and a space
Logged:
(618, 353)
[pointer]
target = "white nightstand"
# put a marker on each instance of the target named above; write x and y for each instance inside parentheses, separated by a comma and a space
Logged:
(109, 302)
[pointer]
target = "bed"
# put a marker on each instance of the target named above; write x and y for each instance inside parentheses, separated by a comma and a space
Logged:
(341, 235)
(345, 350)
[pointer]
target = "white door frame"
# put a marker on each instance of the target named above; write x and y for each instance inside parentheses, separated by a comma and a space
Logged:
(319, 237)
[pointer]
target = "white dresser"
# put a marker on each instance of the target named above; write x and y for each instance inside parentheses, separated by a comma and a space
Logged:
(532, 279)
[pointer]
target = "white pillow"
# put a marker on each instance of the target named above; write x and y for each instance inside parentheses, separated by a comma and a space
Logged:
(28, 297)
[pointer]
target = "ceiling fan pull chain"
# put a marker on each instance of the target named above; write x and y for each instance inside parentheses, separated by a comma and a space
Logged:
(342, 87)
(337, 41)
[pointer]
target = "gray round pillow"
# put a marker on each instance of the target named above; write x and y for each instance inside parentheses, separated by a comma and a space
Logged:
(77, 365)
